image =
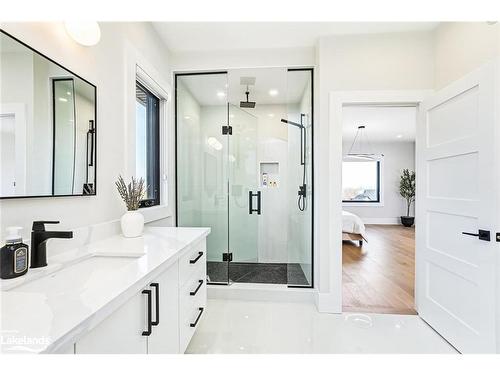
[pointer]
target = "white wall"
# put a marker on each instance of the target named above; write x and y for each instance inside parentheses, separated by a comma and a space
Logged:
(397, 156)
(219, 60)
(403, 61)
(461, 47)
(105, 66)
(272, 146)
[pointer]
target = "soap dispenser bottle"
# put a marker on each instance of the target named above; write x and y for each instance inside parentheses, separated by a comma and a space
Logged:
(14, 255)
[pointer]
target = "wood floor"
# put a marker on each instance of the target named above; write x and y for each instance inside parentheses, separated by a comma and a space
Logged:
(381, 278)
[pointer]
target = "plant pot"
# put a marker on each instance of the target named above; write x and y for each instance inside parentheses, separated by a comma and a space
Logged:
(407, 221)
(132, 223)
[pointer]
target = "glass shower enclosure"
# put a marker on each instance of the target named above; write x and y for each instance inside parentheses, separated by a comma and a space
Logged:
(219, 179)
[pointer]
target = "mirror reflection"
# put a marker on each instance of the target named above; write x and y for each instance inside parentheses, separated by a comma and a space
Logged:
(47, 126)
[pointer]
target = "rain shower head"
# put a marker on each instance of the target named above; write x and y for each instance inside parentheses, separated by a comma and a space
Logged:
(247, 104)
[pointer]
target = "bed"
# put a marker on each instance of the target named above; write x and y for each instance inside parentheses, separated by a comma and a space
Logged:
(353, 228)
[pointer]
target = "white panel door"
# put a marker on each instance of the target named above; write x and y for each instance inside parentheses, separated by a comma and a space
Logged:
(457, 192)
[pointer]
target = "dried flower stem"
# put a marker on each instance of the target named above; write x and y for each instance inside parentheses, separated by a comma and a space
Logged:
(133, 193)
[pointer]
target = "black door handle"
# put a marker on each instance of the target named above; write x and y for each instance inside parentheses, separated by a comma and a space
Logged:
(483, 235)
(197, 318)
(157, 307)
(197, 288)
(148, 331)
(193, 261)
(251, 210)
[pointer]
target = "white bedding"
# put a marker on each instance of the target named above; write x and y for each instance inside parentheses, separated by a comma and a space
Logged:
(352, 223)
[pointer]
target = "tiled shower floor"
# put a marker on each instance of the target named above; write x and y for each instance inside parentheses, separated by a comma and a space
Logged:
(268, 273)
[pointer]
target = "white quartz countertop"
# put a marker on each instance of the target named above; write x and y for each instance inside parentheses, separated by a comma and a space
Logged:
(88, 285)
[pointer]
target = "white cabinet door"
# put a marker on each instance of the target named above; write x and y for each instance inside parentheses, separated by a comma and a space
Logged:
(120, 333)
(164, 338)
(457, 196)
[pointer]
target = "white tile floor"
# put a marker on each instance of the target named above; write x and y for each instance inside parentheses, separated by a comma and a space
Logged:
(233, 326)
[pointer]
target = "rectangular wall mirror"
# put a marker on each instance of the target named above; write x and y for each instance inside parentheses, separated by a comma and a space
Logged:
(47, 126)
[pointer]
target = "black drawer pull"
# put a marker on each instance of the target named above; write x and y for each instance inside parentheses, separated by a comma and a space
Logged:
(157, 307)
(193, 261)
(197, 288)
(197, 318)
(148, 331)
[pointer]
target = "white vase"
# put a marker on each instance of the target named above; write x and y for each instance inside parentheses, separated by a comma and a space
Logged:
(132, 223)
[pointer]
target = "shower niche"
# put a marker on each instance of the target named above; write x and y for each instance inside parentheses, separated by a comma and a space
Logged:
(238, 168)
(269, 175)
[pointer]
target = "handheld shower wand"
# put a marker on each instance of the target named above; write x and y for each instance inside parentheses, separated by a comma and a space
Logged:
(301, 202)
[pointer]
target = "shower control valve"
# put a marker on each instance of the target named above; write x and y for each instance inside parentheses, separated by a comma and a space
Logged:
(302, 191)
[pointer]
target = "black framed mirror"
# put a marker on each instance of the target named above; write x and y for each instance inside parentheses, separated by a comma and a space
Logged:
(48, 126)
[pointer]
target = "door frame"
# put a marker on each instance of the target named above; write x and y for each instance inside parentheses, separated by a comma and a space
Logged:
(338, 99)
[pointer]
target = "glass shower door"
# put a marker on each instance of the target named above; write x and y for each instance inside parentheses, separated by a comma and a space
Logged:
(245, 200)
(202, 157)
(300, 200)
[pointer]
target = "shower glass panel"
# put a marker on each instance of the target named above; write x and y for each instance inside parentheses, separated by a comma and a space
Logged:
(299, 107)
(202, 154)
(64, 136)
(245, 201)
(246, 172)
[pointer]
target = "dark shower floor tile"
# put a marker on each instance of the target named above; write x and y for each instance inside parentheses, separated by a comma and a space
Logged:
(267, 273)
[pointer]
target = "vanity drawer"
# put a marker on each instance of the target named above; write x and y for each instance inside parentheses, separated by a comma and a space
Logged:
(194, 292)
(192, 313)
(193, 262)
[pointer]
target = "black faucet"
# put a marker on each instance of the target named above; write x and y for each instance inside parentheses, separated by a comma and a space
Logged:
(39, 237)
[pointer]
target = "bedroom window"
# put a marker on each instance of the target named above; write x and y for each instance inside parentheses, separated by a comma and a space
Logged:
(361, 181)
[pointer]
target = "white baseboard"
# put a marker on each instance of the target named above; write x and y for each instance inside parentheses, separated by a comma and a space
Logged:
(381, 220)
(328, 303)
(260, 292)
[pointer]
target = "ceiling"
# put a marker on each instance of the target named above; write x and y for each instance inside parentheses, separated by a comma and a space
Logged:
(383, 123)
(287, 87)
(206, 36)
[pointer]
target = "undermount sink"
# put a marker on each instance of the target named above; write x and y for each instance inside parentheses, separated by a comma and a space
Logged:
(80, 275)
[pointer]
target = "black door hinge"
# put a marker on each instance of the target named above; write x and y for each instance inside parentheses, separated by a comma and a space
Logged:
(227, 130)
(227, 257)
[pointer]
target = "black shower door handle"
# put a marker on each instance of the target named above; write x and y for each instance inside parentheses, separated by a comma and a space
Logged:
(251, 210)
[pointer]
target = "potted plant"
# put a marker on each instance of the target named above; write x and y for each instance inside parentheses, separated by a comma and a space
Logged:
(132, 222)
(407, 191)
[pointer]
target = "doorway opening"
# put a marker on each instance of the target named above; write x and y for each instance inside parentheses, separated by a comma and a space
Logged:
(244, 157)
(378, 193)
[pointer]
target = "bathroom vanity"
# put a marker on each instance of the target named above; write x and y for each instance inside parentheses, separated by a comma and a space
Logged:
(143, 295)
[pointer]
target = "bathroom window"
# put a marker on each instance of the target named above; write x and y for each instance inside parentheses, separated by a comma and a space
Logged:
(361, 181)
(147, 114)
